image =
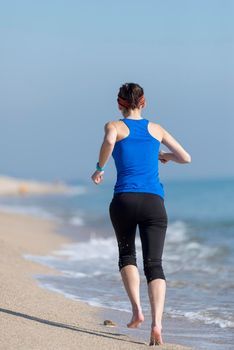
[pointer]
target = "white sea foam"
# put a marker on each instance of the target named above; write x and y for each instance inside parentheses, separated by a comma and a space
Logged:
(208, 316)
(177, 232)
(104, 248)
(182, 252)
(76, 221)
(58, 290)
(179, 252)
(74, 274)
(88, 259)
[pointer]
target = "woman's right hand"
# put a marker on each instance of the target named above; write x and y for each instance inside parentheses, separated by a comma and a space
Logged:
(97, 177)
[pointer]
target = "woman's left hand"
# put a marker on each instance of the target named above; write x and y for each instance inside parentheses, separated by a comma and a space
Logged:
(97, 177)
(163, 157)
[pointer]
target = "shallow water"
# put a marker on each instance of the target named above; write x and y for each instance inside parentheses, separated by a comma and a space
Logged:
(198, 256)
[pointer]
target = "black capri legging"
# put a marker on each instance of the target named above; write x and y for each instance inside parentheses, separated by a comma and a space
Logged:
(147, 210)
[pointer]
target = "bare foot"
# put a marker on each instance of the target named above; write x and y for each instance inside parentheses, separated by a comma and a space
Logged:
(137, 319)
(156, 337)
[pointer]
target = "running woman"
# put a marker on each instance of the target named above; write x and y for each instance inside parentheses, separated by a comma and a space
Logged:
(138, 199)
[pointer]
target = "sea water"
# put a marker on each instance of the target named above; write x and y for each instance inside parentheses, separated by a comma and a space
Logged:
(198, 254)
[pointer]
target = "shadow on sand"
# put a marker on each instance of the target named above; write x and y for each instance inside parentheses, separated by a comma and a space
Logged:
(116, 336)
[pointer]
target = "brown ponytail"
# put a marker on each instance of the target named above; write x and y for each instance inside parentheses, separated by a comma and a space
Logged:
(131, 96)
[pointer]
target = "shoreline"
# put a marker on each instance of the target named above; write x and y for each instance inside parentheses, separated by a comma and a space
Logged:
(33, 317)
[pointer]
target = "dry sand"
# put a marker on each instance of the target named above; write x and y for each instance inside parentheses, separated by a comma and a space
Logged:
(32, 317)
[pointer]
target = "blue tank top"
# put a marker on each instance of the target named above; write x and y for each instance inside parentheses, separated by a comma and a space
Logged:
(136, 160)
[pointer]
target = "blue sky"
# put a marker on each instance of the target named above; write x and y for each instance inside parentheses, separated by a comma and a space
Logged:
(62, 63)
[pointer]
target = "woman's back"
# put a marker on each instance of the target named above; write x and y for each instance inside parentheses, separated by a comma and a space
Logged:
(136, 157)
(138, 201)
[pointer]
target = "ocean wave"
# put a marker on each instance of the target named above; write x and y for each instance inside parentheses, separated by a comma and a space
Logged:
(74, 274)
(76, 221)
(87, 260)
(208, 316)
(177, 232)
(104, 248)
(180, 252)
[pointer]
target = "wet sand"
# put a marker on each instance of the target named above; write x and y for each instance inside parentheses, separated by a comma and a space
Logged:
(32, 317)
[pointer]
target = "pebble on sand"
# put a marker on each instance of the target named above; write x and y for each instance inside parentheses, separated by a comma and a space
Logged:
(109, 323)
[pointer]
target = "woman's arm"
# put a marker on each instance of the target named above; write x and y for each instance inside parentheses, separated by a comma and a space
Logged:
(105, 151)
(178, 155)
(108, 144)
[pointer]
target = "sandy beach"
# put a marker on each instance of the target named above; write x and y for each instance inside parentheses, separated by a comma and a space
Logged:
(35, 318)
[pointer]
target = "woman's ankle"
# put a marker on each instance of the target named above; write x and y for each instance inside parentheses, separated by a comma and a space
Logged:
(157, 325)
(136, 309)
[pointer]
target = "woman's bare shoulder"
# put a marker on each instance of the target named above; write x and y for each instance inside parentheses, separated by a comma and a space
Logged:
(156, 130)
(114, 124)
(155, 125)
(110, 124)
